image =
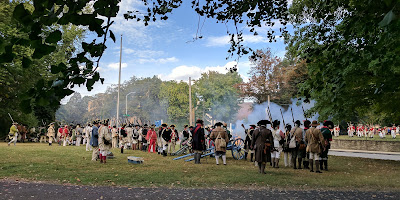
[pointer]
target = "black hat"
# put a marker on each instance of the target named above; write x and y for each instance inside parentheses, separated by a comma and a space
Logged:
(185, 126)
(172, 125)
(146, 126)
(164, 125)
(288, 126)
(297, 122)
(253, 126)
(329, 124)
(218, 124)
(95, 122)
(276, 123)
(263, 122)
(190, 126)
(199, 121)
(307, 123)
(137, 125)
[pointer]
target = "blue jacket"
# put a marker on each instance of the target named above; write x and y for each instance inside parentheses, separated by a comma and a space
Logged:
(94, 141)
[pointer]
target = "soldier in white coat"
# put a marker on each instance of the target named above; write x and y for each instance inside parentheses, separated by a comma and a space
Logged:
(105, 141)
(88, 136)
(51, 133)
(129, 132)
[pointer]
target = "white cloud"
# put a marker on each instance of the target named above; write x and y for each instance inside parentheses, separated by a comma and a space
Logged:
(158, 61)
(134, 32)
(116, 65)
(224, 40)
(183, 72)
(143, 53)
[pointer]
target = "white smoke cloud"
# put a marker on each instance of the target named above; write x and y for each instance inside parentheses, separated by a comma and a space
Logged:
(259, 113)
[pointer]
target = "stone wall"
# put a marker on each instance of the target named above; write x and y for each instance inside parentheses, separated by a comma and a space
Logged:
(366, 145)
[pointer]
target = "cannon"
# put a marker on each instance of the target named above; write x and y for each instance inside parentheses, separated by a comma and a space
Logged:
(236, 146)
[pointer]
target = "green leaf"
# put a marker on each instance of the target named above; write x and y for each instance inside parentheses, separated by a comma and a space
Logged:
(26, 62)
(25, 106)
(390, 16)
(42, 51)
(22, 15)
(54, 37)
(112, 36)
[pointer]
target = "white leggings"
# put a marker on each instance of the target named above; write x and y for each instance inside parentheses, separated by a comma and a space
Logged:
(275, 154)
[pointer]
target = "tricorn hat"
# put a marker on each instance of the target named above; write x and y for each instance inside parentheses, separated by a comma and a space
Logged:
(253, 126)
(263, 122)
(297, 122)
(172, 125)
(307, 123)
(218, 124)
(164, 125)
(199, 121)
(276, 123)
(314, 123)
(329, 124)
(146, 126)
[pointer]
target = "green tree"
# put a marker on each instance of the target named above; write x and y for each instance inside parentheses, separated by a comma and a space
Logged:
(17, 80)
(175, 97)
(218, 95)
(352, 49)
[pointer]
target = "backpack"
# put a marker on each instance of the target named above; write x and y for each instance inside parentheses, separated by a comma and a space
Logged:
(220, 142)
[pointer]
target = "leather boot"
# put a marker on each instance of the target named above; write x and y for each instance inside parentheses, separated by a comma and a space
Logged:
(273, 162)
(195, 158)
(245, 156)
(312, 165)
(259, 168)
(104, 159)
(276, 162)
(263, 169)
(251, 157)
(164, 153)
(321, 165)
(299, 160)
(122, 149)
(306, 164)
(198, 158)
(326, 165)
(294, 163)
(317, 166)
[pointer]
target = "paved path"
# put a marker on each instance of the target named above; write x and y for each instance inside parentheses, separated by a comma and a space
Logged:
(366, 154)
(25, 191)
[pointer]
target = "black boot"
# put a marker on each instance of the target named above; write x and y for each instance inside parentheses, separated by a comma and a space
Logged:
(195, 158)
(245, 156)
(199, 158)
(263, 169)
(306, 164)
(294, 163)
(317, 165)
(312, 165)
(321, 165)
(164, 153)
(326, 165)
(299, 160)
(259, 168)
(122, 149)
(251, 157)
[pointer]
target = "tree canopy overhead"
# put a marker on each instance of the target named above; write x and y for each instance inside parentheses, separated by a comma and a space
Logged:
(352, 50)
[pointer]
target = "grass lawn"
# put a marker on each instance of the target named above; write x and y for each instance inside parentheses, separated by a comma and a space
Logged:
(375, 138)
(71, 164)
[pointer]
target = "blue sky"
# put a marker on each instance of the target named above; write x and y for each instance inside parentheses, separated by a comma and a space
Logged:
(166, 48)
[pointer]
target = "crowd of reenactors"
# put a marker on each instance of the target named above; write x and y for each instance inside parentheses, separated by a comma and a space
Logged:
(303, 146)
(370, 130)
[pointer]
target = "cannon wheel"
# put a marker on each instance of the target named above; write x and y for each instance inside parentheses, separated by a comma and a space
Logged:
(238, 149)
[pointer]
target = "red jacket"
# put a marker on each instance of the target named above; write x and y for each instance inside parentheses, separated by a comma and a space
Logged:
(152, 135)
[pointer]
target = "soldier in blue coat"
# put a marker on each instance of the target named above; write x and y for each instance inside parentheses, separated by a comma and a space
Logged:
(94, 141)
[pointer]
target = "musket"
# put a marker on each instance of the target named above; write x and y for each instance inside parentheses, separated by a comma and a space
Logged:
(269, 114)
(11, 117)
(304, 113)
(283, 120)
(291, 109)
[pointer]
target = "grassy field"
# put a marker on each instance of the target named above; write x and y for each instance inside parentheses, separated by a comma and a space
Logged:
(375, 138)
(57, 164)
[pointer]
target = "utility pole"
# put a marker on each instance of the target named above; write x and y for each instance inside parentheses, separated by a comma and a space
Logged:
(190, 102)
(119, 81)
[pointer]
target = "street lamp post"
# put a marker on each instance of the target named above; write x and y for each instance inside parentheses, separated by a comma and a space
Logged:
(126, 102)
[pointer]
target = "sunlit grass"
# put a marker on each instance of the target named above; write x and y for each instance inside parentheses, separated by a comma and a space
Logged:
(71, 164)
